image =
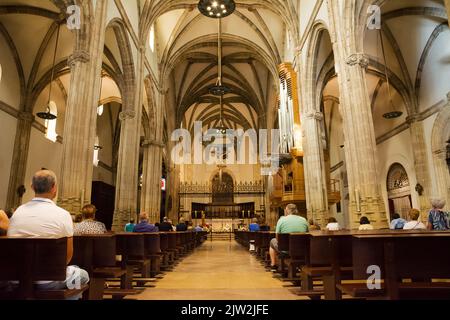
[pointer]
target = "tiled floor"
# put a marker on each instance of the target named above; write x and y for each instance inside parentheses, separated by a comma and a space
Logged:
(218, 270)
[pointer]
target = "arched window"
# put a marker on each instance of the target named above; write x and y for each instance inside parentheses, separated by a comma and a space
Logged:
(96, 151)
(50, 125)
(152, 38)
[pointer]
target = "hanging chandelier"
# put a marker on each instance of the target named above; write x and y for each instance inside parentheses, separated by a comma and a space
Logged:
(216, 8)
(394, 114)
(47, 115)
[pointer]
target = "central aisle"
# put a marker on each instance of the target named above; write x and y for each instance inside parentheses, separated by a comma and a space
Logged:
(218, 270)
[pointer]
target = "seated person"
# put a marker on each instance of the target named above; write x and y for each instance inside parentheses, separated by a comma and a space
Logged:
(41, 218)
(254, 226)
(198, 228)
(181, 226)
(414, 223)
(397, 222)
(332, 225)
(78, 219)
(4, 223)
(174, 228)
(144, 225)
(89, 225)
(130, 226)
(313, 226)
(438, 219)
(291, 222)
(364, 224)
(165, 225)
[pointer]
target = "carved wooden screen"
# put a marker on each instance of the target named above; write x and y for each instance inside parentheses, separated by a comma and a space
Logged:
(222, 191)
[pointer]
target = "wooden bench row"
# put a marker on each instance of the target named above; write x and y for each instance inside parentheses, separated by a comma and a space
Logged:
(412, 264)
(105, 257)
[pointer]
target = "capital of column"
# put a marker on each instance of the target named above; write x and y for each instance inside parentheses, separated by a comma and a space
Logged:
(148, 143)
(318, 116)
(78, 56)
(358, 59)
(128, 114)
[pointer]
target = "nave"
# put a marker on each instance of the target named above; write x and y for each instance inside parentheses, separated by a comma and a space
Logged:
(218, 270)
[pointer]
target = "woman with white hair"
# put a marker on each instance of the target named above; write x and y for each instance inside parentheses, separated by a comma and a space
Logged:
(437, 218)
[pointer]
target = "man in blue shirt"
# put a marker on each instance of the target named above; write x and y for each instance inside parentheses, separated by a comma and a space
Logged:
(254, 226)
(397, 222)
(144, 225)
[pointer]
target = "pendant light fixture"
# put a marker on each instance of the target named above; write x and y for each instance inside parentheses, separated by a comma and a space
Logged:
(394, 113)
(221, 129)
(216, 8)
(47, 115)
(219, 89)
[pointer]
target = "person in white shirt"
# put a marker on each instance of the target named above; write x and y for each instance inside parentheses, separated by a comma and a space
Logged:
(364, 224)
(332, 225)
(414, 215)
(42, 218)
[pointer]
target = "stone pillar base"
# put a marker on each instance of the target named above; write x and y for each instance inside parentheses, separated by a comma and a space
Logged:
(121, 218)
(372, 208)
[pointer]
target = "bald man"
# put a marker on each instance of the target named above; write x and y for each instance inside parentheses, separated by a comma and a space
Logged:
(42, 218)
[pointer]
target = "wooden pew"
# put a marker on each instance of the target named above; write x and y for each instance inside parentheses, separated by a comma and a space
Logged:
(30, 260)
(97, 255)
(153, 252)
(131, 246)
(283, 252)
(172, 245)
(167, 258)
(329, 259)
(413, 255)
(298, 250)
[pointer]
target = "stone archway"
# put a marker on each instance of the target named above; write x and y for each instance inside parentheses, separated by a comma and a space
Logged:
(399, 191)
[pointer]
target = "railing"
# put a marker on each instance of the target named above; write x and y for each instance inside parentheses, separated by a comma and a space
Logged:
(335, 186)
(206, 188)
(294, 190)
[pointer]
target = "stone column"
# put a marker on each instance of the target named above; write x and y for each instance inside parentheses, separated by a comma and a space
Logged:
(75, 183)
(314, 162)
(420, 163)
(130, 135)
(19, 160)
(360, 143)
(151, 187)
